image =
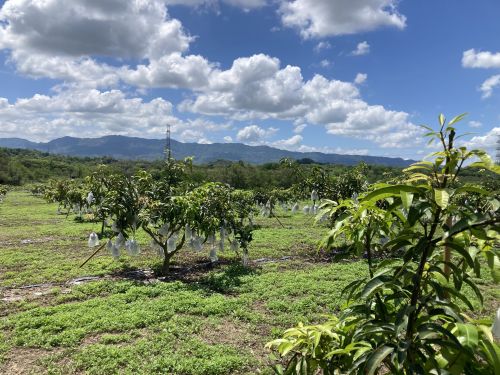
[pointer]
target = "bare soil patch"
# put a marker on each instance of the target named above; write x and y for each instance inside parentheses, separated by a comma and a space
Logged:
(21, 361)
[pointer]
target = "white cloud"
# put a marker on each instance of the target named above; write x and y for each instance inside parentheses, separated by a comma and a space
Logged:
(360, 78)
(115, 28)
(174, 70)
(333, 150)
(59, 40)
(94, 113)
(325, 63)
(487, 142)
(321, 18)
(191, 135)
(475, 124)
(147, 49)
(489, 85)
(288, 144)
(326, 101)
(228, 139)
(299, 128)
(390, 129)
(205, 141)
(294, 143)
(254, 87)
(362, 48)
(258, 88)
(85, 71)
(323, 45)
(473, 59)
(254, 134)
(485, 60)
(245, 4)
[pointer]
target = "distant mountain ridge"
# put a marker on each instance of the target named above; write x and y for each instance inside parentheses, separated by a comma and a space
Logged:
(121, 147)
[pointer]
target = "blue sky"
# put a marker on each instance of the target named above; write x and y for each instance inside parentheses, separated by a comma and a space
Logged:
(326, 75)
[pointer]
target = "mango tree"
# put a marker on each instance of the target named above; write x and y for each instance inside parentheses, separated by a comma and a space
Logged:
(172, 218)
(409, 314)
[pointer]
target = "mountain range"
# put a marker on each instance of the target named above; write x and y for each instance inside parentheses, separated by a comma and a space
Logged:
(121, 147)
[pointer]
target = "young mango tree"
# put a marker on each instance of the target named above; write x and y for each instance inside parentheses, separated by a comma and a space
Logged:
(207, 214)
(69, 194)
(409, 315)
(97, 185)
(363, 226)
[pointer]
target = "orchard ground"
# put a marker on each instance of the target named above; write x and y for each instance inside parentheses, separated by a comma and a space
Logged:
(116, 317)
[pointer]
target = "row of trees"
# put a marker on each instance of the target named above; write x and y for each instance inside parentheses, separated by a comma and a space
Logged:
(174, 209)
(408, 315)
(71, 194)
(170, 209)
(19, 167)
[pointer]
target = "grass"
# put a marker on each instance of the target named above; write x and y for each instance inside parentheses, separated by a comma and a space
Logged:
(210, 320)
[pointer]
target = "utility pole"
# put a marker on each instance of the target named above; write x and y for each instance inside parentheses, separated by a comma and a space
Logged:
(168, 146)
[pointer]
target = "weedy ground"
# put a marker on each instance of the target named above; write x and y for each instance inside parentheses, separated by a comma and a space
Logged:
(117, 317)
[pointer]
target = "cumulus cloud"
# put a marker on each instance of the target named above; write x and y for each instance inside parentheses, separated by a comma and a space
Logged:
(323, 45)
(333, 150)
(258, 88)
(254, 134)
(253, 87)
(389, 129)
(322, 18)
(485, 142)
(325, 63)
(174, 71)
(486, 60)
(290, 143)
(245, 4)
(362, 48)
(299, 128)
(360, 78)
(93, 113)
(489, 85)
(50, 38)
(294, 143)
(473, 59)
(84, 71)
(115, 28)
(146, 48)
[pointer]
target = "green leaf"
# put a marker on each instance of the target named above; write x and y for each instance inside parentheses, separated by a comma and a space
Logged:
(492, 354)
(406, 199)
(441, 119)
(462, 251)
(373, 285)
(441, 197)
(457, 119)
(390, 191)
(376, 359)
(467, 335)
(471, 189)
(427, 127)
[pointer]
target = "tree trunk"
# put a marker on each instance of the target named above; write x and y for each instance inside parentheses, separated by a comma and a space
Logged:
(166, 263)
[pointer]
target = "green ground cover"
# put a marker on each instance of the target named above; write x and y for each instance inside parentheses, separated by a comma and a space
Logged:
(202, 319)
